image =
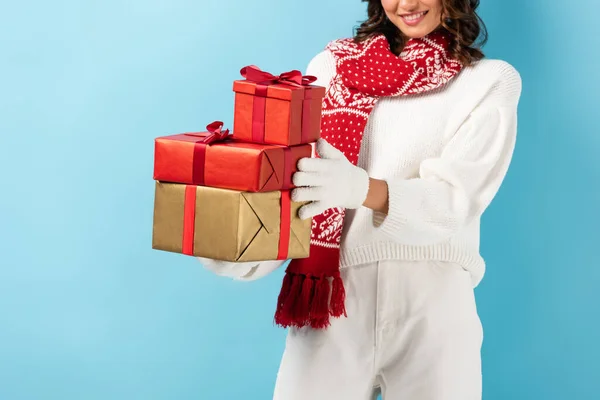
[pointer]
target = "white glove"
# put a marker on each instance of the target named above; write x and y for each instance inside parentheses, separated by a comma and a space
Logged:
(328, 182)
(241, 271)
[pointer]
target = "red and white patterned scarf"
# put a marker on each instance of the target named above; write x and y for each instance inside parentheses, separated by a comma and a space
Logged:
(312, 289)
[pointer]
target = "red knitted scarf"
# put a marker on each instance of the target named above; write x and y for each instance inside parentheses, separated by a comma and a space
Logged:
(312, 289)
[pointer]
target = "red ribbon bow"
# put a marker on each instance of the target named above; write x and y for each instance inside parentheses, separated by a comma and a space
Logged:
(216, 134)
(294, 78)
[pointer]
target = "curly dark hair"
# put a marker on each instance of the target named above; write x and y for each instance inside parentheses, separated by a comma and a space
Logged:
(459, 18)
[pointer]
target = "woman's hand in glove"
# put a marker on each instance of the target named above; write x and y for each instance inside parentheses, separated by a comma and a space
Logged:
(328, 182)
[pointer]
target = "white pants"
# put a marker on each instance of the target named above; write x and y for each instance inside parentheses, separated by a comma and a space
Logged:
(412, 333)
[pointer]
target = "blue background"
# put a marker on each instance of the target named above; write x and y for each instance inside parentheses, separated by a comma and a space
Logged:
(89, 311)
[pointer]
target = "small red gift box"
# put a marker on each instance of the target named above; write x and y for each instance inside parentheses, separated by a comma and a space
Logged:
(214, 159)
(284, 109)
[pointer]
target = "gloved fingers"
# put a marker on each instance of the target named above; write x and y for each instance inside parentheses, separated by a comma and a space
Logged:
(308, 164)
(311, 209)
(309, 179)
(307, 194)
(327, 151)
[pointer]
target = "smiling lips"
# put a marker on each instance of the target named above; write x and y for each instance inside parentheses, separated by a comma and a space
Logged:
(414, 18)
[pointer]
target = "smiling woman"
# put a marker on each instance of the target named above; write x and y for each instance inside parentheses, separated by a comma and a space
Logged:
(418, 132)
(417, 18)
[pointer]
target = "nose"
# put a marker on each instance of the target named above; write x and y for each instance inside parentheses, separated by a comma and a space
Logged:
(407, 5)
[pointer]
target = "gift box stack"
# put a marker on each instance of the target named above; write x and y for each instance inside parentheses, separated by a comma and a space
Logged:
(227, 197)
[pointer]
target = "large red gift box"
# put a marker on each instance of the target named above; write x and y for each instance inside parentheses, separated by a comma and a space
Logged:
(214, 159)
(284, 109)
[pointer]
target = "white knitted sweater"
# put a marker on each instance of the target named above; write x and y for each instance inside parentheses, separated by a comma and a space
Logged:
(443, 154)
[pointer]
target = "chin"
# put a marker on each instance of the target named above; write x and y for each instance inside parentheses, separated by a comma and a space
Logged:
(415, 33)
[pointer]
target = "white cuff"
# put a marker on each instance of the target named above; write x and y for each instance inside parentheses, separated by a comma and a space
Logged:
(392, 223)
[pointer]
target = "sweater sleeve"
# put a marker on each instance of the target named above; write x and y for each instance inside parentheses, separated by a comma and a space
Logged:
(458, 185)
(321, 66)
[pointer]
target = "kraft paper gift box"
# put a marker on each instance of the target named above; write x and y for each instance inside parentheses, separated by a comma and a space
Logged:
(227, 224)
(205, 160)
(284, 109)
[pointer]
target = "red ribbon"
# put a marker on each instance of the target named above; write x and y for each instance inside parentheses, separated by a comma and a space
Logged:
(263, 79)
(189, 218)
(285, 225)
(215, 134)
(285, 220)
(293, 78)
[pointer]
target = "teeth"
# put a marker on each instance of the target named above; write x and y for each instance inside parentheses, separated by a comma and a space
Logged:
(414, 17)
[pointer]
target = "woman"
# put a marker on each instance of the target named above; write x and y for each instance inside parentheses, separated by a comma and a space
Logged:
(418, 133)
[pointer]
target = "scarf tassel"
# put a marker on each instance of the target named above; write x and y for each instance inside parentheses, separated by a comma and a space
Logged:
(338, 297)
(305, 300)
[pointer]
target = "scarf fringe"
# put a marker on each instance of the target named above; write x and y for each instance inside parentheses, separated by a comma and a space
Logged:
(319, 308)
(305, 300)
(338, 298)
